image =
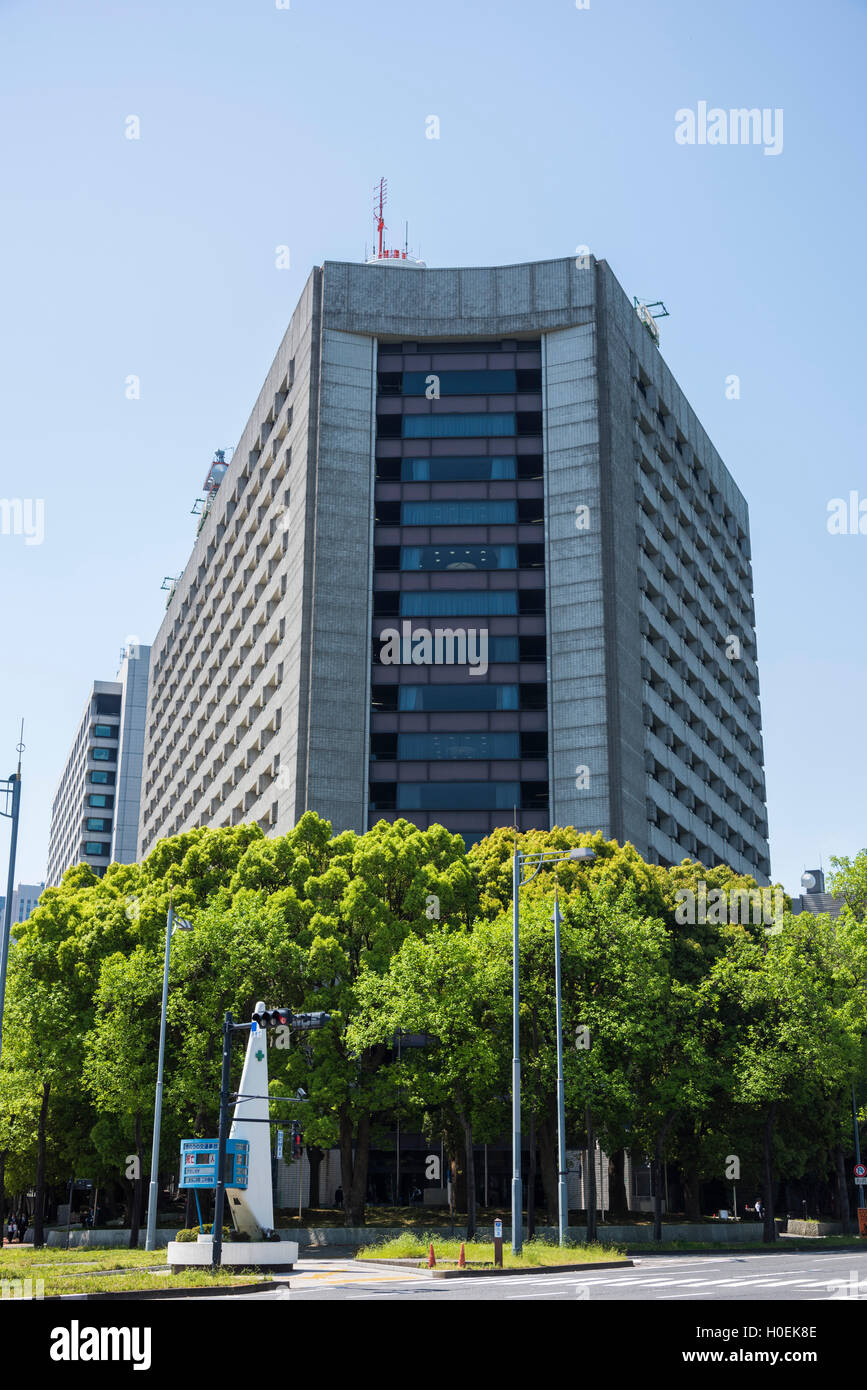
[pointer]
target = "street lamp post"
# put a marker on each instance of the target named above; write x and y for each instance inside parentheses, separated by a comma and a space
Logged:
(540, 859)
(171, 926)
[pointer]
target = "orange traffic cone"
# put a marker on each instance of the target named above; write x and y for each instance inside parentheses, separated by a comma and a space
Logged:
(431, 1259)
(462, 1259)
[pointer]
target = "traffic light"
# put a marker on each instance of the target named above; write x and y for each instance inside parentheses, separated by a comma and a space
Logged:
(296, 1140)
(272, 1018)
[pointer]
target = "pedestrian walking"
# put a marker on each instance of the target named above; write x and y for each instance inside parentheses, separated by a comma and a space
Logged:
(22, 1227)
(760, 1211)
(10, 1229)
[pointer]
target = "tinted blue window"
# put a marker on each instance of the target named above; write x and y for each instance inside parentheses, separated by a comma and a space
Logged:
(459, 557)
(466, 697)
(96, 823)
(461, 383)
(457, 426)
(101, 755)
(95, 847)
(95, 800)
(469, 796)
(105, 730)
(455, 746)
(459, 513)
(98, 777)
(450, 470)
(453, 603)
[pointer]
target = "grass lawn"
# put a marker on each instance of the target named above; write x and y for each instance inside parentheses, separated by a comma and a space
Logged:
(783, 1244)
(535, 1252)
(87, 1271)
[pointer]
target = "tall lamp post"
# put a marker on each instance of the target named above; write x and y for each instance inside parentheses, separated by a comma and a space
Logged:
(172, 925)
(10, 787)
(536, 861)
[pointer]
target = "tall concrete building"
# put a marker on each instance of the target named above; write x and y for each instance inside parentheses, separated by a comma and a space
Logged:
(474, 558)
(95, 812)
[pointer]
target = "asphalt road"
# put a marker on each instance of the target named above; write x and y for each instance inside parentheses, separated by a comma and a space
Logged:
(779, 1277)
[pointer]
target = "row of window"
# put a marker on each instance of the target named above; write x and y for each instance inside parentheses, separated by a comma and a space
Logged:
(508, 512)
(458, 796)
(524, 696)
(470, 426)
(491, 382)
(444, 747)
(509, 649)
(458, 557)
(475, 469)
(455, 603)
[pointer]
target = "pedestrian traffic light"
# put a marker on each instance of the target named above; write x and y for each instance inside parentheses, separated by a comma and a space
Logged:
(305, 1021)
(296, 1141)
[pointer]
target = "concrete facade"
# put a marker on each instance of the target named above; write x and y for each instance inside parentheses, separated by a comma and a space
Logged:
(260, 698)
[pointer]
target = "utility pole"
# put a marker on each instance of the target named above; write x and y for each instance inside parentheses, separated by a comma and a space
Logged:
(11, 787)
(219, 1200)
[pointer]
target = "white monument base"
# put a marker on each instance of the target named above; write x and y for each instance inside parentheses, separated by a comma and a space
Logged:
(252, 1254)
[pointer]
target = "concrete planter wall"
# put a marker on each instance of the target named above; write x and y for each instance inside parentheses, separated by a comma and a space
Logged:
(797, 1227)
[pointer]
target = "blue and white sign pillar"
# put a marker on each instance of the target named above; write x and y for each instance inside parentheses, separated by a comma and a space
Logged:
(252, 1207)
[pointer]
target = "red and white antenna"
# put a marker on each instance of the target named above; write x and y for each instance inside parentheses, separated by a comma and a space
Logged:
(380, 193)
(382, 255)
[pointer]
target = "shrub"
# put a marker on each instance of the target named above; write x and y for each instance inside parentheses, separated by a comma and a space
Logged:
(194, 1232)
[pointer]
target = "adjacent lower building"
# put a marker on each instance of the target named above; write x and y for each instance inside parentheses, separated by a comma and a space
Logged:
(95, 811)
(474, 561)
(24, 899)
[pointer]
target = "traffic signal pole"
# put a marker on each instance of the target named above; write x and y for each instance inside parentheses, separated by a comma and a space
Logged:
(12, 786)
(222, 1133)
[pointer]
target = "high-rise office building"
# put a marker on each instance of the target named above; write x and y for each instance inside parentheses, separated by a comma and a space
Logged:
(474, 559)
(24, 899)
(95, 812)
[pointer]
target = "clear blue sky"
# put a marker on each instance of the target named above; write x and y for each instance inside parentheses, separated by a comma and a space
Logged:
(262, 127)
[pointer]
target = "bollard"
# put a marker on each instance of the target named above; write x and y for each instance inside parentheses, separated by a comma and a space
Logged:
(498, 1252)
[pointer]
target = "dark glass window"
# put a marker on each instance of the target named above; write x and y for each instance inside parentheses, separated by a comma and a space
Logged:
(105, 731)
(459, 426)
(108, 704)
(463, 697)
(531, 557)
(532, 648)
(454, 603)
(100, 778)
(460, 557)
(96, 847)
(503, 513)
(468, 796)
(387, 513)
(448, 470)
(528, 422)
(383, 746)
(486, 383)
(388, 469)
(529, 379)
(534, 744)
(448, 747)
(384, 696)
(532, 600)
(103, 755)
(530, 466)
(531, 510)
(534, 696)
(386, 557)
(383, 796)
(96, 823)
(388, 426)
(385, 603)
(100, 799)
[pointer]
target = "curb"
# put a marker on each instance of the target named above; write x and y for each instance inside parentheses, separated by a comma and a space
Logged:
(499, 1273)
(147, 1294)
(778, 1248)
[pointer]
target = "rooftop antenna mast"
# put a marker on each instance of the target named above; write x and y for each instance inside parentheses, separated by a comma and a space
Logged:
(380, 193)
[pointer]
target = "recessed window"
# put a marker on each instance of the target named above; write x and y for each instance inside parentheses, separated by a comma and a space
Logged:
(105, 731)
(103, 755)
(96, 847)
(459, 557)
(448, 747)
(467, 513)
(449, 470)
(450, 603)
(454, 426)
(462, 697)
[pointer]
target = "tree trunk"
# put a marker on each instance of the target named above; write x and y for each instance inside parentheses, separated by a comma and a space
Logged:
(314, 1158)
(135, 1215)
(770, 1232)
(618, 1199)
(531, 1181)
(39, 1213)
(548, 1160)
(656, 1170)
(471, 1178)
(590, 1176)
(842, 1193)
(3, 1194)
(692, 1192)
(357, 1203)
